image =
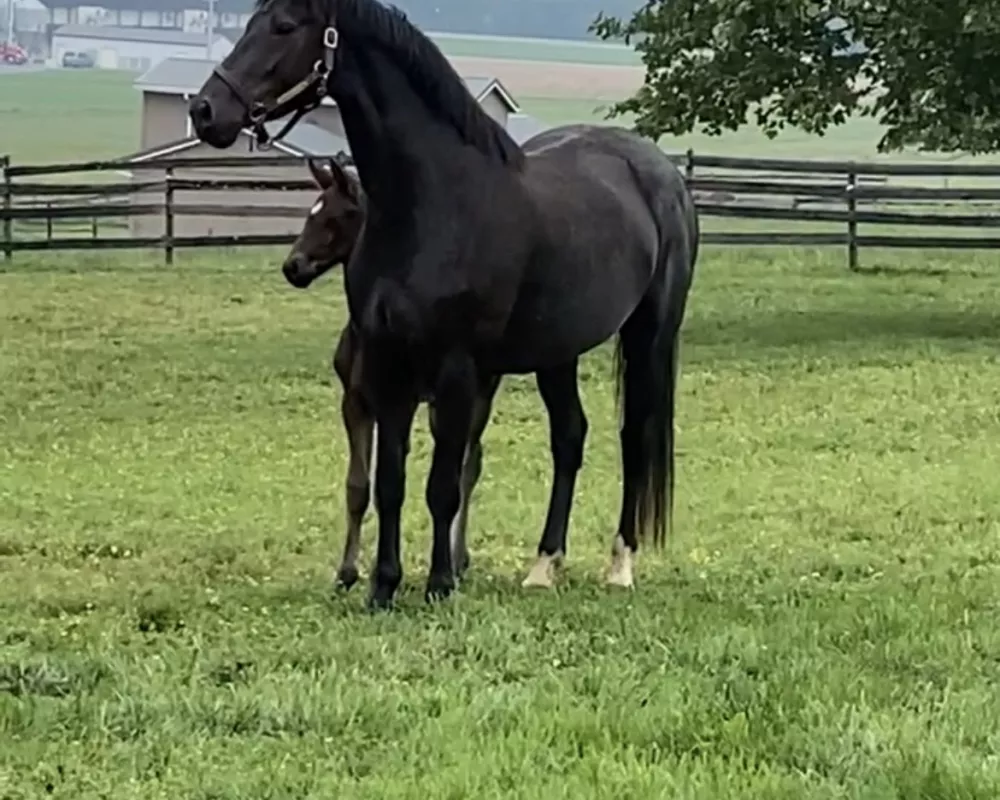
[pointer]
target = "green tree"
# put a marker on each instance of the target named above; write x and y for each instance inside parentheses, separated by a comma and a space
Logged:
(928, 70)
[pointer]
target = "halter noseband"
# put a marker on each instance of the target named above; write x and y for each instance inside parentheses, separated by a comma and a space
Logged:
(314, 83)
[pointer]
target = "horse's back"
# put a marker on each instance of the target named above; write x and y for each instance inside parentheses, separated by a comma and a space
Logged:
(579, 140)
(604, 199)
(651, 173)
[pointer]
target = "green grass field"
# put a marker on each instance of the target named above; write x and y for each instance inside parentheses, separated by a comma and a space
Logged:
(104, 109)
(532, 49)
(822, 623)
(66, 115)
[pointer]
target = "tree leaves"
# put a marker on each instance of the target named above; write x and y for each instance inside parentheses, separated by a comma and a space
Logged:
(928, 70)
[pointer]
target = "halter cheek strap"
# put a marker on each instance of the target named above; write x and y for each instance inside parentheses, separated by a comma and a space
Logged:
(315, 84)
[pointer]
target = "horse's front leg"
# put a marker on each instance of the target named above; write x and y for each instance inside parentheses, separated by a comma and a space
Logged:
(472, 468)
(454, 404)
(394, 420)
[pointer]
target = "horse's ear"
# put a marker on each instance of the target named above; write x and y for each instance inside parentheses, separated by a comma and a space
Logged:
(321, 174)
(342, 179)
(356, 191)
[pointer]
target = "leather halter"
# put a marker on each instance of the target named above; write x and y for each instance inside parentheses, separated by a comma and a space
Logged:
(314, 84)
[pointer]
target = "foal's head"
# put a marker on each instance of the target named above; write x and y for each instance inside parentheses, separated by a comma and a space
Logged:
(332, 228)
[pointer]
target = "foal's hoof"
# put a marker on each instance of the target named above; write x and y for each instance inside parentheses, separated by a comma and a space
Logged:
(345, 578)
(543, 573)
(439, 588)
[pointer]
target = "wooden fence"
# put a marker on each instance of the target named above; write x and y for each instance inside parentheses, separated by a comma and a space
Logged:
(845, 194)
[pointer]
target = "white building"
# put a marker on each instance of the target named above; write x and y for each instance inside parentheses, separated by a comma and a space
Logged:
(136, 49)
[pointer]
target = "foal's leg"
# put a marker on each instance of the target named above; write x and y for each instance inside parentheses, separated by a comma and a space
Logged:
(394, 420)
(454, 399)
(568, 431)
(472, 468)
(359, 424)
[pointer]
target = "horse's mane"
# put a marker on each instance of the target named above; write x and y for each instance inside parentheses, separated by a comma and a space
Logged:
(431, 74)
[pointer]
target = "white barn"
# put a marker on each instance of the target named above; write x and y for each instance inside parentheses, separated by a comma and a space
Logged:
(137, 49)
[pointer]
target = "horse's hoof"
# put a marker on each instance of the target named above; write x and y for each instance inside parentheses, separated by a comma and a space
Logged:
(439, 588)
(620, 572)
(542, 574)
(346, 578)
(380, 599)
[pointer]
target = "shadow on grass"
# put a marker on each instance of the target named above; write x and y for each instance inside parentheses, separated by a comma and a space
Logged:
(887, 327)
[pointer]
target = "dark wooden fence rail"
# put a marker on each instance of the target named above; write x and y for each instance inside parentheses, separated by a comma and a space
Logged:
(780, 190)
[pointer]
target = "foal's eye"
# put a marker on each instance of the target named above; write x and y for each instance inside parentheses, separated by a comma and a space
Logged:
(282, 27)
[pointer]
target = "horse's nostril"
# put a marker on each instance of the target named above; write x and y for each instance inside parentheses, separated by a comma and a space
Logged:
(201, 110)
(293, 267)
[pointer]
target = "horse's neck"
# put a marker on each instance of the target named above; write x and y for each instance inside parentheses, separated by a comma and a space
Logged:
(387, 127)
(364, 132)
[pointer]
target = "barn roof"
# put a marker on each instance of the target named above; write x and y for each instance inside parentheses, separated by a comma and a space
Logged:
(305, 139)
(482, 86)
(178, 75)
(308, 139)
(149, 35)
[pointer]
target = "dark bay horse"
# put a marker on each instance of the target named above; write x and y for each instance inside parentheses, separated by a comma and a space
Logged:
(328, 237)
(479, 259)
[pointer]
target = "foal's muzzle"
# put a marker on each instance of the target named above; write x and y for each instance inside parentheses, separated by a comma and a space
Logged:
(298, 271)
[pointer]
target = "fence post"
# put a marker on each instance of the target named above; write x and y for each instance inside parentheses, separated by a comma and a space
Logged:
(48, 221)
(168, 217)
(852, 219)
(689, 164)
(8, 204)
(93, 227)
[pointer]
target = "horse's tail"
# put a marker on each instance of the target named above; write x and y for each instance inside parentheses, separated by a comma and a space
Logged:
(653, 375)
(646, 358)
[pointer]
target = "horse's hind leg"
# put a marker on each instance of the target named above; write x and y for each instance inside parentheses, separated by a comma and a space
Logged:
(359, 422)
(647, 374)
(568, 432)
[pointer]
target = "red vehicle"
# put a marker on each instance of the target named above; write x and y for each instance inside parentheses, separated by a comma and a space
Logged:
(13, 54)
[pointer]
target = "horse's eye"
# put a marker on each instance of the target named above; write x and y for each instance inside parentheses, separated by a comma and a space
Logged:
(282, 27)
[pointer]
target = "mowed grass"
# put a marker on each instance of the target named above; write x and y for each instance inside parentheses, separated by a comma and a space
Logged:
(822, 623)
(104, 108)
(56, 116)
(526, 48)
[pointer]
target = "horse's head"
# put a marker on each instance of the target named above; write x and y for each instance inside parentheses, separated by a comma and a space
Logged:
(332, 228)
(281, 64)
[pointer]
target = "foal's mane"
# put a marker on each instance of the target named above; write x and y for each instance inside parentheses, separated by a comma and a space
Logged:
(430, 74)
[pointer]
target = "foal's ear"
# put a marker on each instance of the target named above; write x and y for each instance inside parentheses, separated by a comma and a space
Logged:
(321, 174)
(343, 181)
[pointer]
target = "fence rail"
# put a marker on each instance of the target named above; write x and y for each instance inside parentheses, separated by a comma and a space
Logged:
(781, 190)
